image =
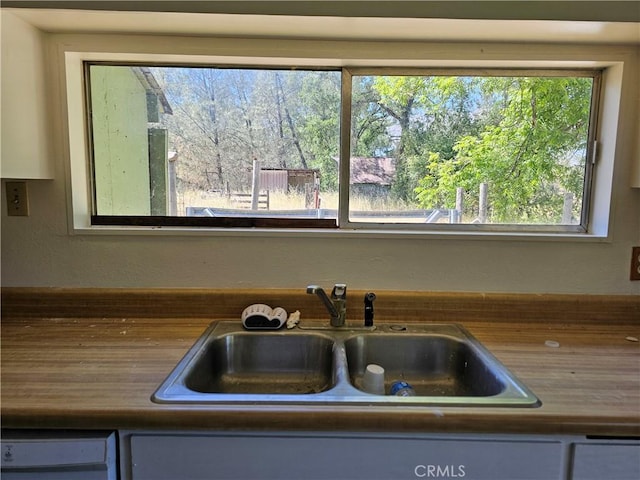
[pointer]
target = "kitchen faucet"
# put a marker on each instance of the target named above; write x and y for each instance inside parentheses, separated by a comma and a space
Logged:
(336, 305)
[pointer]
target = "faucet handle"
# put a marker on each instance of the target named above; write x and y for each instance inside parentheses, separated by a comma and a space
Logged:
(368, 308)
(339, 291)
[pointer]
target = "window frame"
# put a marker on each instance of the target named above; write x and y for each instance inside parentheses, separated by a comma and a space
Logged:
(343, 222)
(590, 155)
(158, 221)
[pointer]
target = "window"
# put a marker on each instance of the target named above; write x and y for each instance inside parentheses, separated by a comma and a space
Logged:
(258, 146)
(502, 149)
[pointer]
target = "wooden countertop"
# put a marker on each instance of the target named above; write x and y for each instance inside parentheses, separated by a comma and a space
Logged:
(99, 373)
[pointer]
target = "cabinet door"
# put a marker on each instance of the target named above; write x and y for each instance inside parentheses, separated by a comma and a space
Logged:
(598, 461)
(193, 457)
(24, 145)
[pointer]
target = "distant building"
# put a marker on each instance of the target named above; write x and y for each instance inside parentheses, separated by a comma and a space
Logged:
(372, 176)
(288, 179)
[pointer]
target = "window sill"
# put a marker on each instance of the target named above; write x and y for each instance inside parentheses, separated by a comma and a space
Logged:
(343, 233)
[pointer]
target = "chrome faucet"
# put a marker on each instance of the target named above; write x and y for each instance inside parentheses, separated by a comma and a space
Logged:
(336, 305)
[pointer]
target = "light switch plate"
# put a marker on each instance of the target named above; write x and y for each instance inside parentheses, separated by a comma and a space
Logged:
(17, 199)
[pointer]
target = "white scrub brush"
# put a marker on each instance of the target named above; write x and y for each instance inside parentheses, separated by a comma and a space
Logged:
(293, 320)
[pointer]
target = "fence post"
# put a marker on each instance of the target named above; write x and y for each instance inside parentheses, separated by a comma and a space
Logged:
(567, 208)
(482, 210)
(171, 170)
(459, 204)
(255, 185)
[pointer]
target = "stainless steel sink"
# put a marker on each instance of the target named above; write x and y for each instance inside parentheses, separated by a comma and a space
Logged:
(313, 364)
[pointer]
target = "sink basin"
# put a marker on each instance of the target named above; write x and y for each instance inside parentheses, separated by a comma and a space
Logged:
(434, 365)
(247, 363)
(313, 364)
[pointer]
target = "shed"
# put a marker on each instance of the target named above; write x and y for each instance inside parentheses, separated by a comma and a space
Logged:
(379, 171)
(372, 175)
(287, 179)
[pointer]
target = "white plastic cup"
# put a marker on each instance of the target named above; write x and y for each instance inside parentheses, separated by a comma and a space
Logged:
(373, 379)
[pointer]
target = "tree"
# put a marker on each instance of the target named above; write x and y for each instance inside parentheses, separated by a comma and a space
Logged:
(400, 97)
(424, 114)
(225, 118)
(319, 124)
(530, 157)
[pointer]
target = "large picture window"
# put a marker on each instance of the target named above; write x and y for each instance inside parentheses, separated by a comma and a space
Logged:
(414, 149)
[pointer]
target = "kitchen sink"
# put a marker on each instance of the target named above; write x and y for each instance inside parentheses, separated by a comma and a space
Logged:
(313, 364)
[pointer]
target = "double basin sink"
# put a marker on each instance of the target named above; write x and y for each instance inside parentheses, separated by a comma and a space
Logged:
(443, 363)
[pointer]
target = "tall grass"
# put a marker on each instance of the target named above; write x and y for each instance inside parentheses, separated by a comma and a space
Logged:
(290, 201)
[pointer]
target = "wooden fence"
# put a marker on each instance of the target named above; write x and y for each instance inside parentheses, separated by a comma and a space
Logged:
(244, 200)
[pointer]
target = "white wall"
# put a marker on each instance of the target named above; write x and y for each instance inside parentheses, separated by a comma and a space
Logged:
(39, 250)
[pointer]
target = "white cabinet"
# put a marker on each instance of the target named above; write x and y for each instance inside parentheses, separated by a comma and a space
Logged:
(173, 455)
(371, 456)
(25, 143)
(606, 460)
(341, 456)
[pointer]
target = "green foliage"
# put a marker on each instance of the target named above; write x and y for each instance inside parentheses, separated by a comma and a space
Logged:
(320, 124)
(529, 158)
(399, 97)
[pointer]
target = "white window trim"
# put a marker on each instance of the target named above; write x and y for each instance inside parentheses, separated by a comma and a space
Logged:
(70, 51)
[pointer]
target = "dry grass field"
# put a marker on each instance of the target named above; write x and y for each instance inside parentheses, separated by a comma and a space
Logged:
(289, 201)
